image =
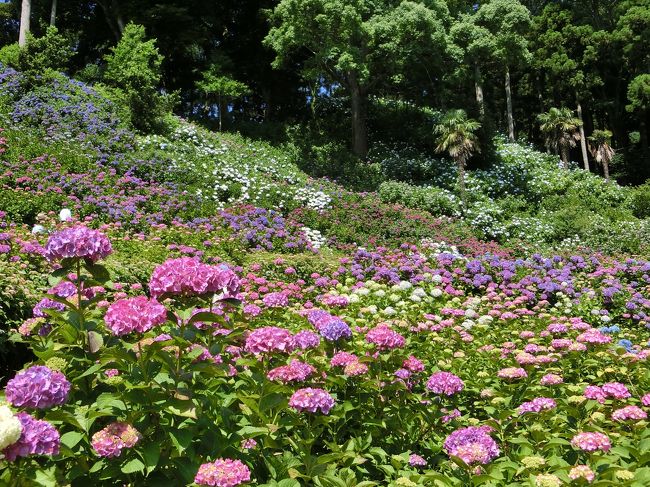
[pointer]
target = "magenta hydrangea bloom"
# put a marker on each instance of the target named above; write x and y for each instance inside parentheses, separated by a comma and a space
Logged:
(385, 338)
(413, 364)
(79, 242)
(138, 314)
(473, 445)
(269, 339)
(341, 359)
(645, 400)
(445, 383)
(187, 276)
(616, 390)
(591, 441)
(629, 413)
(37, 438)
(223, 473)
(595, 393)
(37, 387)
(296, 371)
(551, 380)
(537, 405)
(354, 369)
(110, 441)
(311, 400)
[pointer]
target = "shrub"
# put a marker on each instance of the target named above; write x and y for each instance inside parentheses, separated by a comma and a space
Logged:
(133, 66)
(640, 201)
(435, 200)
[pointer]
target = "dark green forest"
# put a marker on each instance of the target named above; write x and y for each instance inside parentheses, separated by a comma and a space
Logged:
(324, 72)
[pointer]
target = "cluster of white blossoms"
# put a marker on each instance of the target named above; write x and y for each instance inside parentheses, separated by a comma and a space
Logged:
(316, 238)
(314, 199)
(10, 427)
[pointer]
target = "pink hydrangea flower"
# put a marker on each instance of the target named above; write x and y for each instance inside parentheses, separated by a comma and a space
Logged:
(582, 472)
(595, 393)
(296, 371)
(354, 369)
(629, 413)
(385, 338)
(110, 441)
(223, 473)
(269, 339)
(512, 373)
(413, 364)
(645, 400)
(312, 400)
(416, 460)
(551, 380)
(341, 359)
(591, 441)
(188, 276)
(445, 383)
(138, 314)
(537, 405)
(616, 390)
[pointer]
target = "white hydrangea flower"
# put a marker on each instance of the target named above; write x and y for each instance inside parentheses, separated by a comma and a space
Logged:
(10, 427)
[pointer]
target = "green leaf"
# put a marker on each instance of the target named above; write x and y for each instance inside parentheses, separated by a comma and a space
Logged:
(181, 439)
(133, 466)
(151, 455)
(71, 438)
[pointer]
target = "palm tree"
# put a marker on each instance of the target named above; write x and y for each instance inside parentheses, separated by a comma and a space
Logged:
(456, 137)
(601, 150)
(561, 130)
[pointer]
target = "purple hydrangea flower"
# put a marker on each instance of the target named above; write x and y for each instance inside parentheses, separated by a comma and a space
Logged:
(78, 242)
(37, 438)
(37, 387)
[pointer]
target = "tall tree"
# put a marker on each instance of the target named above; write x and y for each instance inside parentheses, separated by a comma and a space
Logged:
(25, 17)
(358, 44)
(601, 150)
(561, 129)
(475, 48)
(215, 84)
(456, 135)
(508, 21)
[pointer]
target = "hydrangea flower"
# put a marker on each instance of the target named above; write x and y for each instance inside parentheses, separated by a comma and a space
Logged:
(629, 413)
(334, 330)
(512, 373)
(445, 383)
(296, 371)
(416, 460)
(223, 473)
(10, 427)
(187, 276)
(537, 405)
(591, 441)
(616, 390)
(473, 445)
(269, 339)
(138, 314)
(110, 441)
(78, 242)
(37, 438)
(582, 472)
(385, 338)
(312, 400)
(37, 387)
(306, 339)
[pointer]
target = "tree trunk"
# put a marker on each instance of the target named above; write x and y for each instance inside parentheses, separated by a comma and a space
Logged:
(220, 112)
(564, 155)
(461, 182)
(478, 84)
(53, 14)
(583, 142)
(511, 121)
(606, 170)
(119, 20)
(25, 14)
(359, 129)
